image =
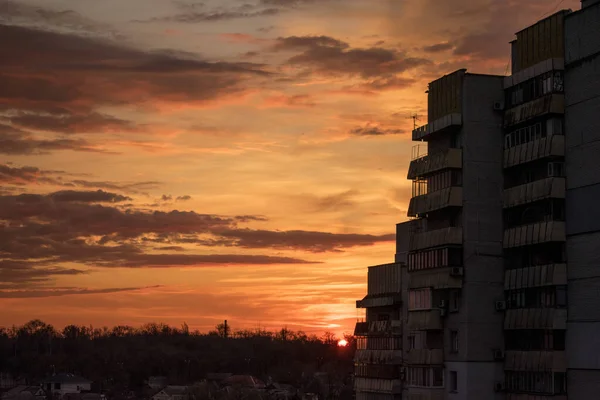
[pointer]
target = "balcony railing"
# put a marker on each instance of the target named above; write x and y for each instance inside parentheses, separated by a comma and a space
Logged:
(368, 356)
(552, 103)
(435, 238)
(550, 146)
(392, 327)
(425, 356)
(541, 232)
(445, 123)
(429, 320)
(425, 165)
(449, 197)
(392, 386)
(554, 188)
(536, 318)
(440, 278)
(535, 361)
(536, 276)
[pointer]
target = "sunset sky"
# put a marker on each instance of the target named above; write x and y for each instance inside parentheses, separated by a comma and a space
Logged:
(182, 161)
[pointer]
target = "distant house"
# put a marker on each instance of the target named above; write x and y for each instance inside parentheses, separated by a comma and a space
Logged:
(171, 393)
(244, 381)
(158, 382)
(24, 392)
(7, 381)
(61, 384)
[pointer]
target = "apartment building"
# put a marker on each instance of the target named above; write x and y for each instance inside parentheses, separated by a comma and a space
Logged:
(455, 268)
(535, 256)
(582, 122)
(378, 358)
(502, 249)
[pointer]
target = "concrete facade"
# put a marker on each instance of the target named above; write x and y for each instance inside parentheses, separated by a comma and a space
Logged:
(501, 284)
(582, 98)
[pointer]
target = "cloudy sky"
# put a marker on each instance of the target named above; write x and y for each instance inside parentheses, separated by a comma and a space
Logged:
(178, 160)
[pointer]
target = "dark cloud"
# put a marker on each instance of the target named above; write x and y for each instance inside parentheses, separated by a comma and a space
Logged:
(38, 293)
(329, 56)
(18, 142)
(98, 196)
(336, 202)
(374, 130)
(316, 242)
(59, 89)
(183, 198)
(166, 197)
(19, 175)
(69, 123)
(215, 16)
(438, 47)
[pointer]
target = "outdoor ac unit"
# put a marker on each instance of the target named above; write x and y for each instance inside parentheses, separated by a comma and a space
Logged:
(457, 271)
(442, 303)
(403, 374)
(500, 305)
(498, 106)
(498, 355)
(499, 386)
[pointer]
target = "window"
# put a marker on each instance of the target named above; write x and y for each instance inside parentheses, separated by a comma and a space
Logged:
(535, 340)
(57, 386)
(454, 300)
(556, 169)
(412, 342)
(453, 381)
(454, 341)
(437, 258)
(419, 299)
(547, 383)
(538, 297)
(426, 376)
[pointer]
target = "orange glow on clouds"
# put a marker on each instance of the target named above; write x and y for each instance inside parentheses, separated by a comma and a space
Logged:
(188, 168)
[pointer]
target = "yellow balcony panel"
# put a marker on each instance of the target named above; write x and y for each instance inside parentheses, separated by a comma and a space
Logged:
(450, 158)
(549, 188)
(427, 320)
(425, 357)
(555, 361)
(535, 318)
(435, 238)
(541, 232)
(549, 104)
(448, 197)
(439, 278)
(536, 276)
(446, 123)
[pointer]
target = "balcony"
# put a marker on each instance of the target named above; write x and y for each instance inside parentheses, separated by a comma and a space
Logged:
(435, 238)
(393, 386)
(549, 188)
(368, 356)
(423, 204)
(555, 361)
(425, 357)
(541, 232)
(439, 278)
(549, 104)
(450, 158)
(536, 276)
(422, 393)
(551, 146)
(536, 318)
(444, 124)
(429, 320)
(378, 328)
(525, 396)
(382, 300)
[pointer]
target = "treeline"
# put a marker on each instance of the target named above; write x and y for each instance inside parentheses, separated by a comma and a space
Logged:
(123, 357)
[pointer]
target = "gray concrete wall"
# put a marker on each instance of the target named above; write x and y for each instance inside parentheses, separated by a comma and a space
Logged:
(582, 127)
(480, 326)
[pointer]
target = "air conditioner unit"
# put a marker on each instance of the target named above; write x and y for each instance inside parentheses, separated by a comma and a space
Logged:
(457, 271)
(499, 386)
(498, 106)
(498, 355)
(500, 305)
(442, 304)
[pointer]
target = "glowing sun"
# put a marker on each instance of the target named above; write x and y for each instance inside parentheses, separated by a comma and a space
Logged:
(343, 343)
